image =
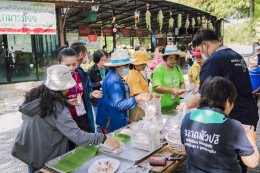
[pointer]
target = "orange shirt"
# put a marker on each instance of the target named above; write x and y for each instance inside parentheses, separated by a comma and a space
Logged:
(136, 83)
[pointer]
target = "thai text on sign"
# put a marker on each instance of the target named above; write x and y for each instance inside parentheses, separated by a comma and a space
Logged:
(18, 17)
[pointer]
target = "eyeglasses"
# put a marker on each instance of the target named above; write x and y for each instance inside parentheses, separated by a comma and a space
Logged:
(126, 65)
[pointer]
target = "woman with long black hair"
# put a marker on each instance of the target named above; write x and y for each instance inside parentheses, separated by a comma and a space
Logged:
(47, 122)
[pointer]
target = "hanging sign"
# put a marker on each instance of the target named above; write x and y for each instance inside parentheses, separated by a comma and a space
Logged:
(141, 33)
(107, 31)
(132, 33)
(84, 30)
(125, 32)
(20, 17)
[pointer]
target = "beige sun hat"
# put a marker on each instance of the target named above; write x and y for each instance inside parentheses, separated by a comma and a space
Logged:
(119, 57)
(141, 58)
(172, 50)
(59, 78)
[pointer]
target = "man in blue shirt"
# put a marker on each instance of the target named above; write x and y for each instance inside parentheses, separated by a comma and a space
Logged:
(223, 61)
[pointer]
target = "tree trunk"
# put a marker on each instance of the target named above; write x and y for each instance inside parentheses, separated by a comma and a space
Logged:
(252, 4)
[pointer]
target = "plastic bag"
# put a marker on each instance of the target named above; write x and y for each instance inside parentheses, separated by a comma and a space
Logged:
(152, 109)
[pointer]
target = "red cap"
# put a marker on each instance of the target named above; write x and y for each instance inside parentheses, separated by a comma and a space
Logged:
(196, 53)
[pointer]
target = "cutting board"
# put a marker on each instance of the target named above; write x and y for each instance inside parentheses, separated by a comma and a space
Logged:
(170, 166)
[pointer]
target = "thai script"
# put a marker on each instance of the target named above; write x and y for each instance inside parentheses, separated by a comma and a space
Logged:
(203, 136)
(18, 18)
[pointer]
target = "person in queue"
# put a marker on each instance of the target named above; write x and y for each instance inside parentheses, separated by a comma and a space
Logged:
(194, 72)
(167, 79)
(157, 57)
(214, 142)
(113, 107)
(97, 73)
(78, 97)
(255, 61)
(137, 82)
(224, 62)
(189, 58)
(47, 123)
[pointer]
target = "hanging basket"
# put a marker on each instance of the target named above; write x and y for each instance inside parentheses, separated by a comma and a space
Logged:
(92, 37)
(91, 16)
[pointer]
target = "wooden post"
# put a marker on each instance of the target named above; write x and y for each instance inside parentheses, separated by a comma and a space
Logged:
(60, 27)
(106, 41)
(114, 33)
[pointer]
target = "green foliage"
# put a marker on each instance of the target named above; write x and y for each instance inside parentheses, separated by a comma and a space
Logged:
(221, 8)
(257, 9)
(239, 33)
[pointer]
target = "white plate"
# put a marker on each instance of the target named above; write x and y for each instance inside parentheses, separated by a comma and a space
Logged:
(102, 165)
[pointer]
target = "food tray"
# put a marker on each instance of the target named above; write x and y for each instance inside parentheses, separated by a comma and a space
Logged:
(54, 161)
(124, 163)
(129, 152)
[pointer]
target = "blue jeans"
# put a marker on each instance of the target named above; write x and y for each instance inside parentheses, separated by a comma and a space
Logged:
(31, 169)
(97, 126)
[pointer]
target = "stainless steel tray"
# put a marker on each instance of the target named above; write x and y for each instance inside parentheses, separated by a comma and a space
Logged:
(124, 163)
(54, 161)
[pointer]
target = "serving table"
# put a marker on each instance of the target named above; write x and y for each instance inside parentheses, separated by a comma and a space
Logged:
(131, 156)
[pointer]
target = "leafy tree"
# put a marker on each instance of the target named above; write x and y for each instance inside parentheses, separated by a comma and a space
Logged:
(221, 8)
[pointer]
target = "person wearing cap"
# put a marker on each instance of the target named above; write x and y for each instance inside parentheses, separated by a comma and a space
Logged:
(113, 107)
(168, 79)
(137, 82)
(47, 123)
(194, 72)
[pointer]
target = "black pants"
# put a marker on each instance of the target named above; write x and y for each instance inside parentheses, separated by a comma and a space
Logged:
(83, 123)
(243, 166)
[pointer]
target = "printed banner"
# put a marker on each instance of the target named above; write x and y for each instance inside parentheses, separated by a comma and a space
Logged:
(84, 30)
(141, 33)
(18, 17)
(107, 31)
(125, 32)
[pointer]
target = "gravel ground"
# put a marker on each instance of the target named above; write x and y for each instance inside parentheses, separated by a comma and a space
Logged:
(11, 96)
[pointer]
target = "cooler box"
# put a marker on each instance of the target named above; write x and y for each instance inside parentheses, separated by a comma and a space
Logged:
(255, 78)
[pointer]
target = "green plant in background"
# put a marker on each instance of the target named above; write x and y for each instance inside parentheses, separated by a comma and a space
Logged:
(87, 65)
(221, 8)
(257, 9)
(244, 34)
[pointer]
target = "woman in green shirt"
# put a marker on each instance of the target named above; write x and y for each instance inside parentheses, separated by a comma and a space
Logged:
(168, 79)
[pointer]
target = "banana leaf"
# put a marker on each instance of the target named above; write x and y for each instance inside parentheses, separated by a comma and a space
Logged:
(122, 137)
(76, 159)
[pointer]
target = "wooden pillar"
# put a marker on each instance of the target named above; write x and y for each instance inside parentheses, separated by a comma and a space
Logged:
(106, 41)
(60, 27)
(114, 33)
(114, 38)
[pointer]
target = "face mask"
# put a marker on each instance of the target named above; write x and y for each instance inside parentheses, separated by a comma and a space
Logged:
(204, 57)
(124, 72)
